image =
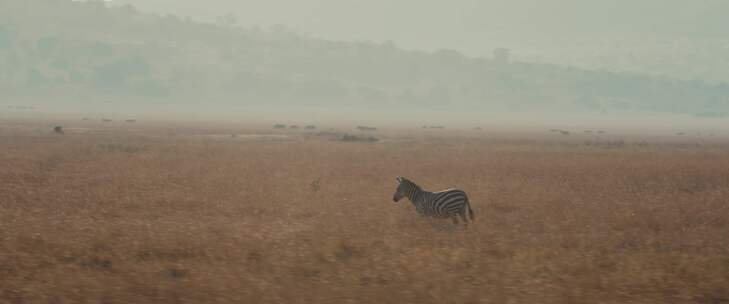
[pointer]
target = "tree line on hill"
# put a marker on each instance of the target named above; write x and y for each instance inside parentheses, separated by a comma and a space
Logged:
(62, 50)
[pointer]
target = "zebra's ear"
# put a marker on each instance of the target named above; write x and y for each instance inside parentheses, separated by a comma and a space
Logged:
(399, 179)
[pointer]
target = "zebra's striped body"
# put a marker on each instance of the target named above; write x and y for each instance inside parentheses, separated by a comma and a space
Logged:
(450, 203)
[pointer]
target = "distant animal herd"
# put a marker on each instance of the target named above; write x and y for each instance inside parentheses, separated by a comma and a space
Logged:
(58, 129)
(352, 137)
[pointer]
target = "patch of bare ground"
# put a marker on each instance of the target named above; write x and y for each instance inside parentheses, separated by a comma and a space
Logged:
(168, 215)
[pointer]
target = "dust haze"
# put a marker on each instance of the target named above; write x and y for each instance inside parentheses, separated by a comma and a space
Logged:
(411, 62)
(160, 151)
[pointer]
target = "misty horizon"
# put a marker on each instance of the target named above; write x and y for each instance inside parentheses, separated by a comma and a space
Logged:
(641, 36)
(148, 56)
(364, 151)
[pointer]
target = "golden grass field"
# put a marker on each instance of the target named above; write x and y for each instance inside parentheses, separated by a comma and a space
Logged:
(187, 213)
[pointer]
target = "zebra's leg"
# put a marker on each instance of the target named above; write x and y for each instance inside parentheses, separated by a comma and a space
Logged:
(462, 214)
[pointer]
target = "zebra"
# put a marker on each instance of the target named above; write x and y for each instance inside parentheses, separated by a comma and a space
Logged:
(449, 203)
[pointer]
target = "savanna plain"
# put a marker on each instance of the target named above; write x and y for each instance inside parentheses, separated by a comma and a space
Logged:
(162, 212)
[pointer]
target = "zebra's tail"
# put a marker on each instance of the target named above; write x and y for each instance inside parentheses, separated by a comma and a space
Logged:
(470, 211)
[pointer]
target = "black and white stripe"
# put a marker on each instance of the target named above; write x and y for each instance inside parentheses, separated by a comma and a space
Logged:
(450, 203)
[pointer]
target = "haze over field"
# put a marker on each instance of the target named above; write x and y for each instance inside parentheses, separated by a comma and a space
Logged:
(684, 39)
(248, 151)
(560, 61)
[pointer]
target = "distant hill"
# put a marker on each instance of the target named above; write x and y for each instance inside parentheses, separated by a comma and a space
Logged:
(61, 50)
(674, 38)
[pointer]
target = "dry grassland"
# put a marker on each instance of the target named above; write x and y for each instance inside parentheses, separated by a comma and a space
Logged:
(175, 214)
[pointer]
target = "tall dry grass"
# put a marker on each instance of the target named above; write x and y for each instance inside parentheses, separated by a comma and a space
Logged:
(163, 216)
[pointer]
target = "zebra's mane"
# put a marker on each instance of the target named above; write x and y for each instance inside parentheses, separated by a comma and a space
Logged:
(410, 184)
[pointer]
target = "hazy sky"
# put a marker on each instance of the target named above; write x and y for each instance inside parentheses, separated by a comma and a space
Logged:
(473, 26)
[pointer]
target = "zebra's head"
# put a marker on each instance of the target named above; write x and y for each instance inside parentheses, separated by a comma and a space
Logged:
(404, 188)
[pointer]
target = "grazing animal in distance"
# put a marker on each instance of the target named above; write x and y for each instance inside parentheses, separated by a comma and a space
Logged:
(58, 129)
(366, 128)
(316, 184)
(450, 203)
